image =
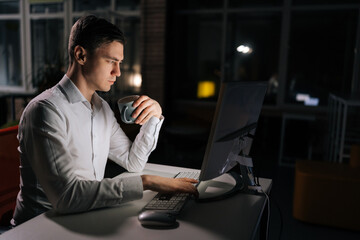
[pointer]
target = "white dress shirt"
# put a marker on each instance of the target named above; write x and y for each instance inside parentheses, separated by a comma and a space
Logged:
(64, 146)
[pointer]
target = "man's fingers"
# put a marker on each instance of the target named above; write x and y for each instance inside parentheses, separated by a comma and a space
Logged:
(145, 109)
(141, 107)
(144, 120)
(189, 185)
(138, 101)
(142, 115)
(191, 180)
(169, 185)
(193, 190)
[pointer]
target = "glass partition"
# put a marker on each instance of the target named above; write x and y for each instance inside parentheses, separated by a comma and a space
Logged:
(321, 55)
(197, 56)
(130, 80)
(252, 49)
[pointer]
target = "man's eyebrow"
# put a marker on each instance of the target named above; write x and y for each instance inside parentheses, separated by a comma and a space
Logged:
(113, 58)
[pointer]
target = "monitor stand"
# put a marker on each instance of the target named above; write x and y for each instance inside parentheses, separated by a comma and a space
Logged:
(221, 187)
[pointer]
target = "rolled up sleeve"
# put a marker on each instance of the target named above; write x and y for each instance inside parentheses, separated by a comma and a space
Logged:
(134, 155)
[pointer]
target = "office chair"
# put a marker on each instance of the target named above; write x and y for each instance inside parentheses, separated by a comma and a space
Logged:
(9, 174)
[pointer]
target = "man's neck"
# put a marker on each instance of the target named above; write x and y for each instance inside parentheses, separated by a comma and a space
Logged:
(80, 82)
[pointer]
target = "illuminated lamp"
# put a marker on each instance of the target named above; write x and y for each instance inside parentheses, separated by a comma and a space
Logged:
(206, 89)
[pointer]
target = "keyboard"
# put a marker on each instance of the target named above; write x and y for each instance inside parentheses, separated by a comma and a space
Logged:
(171, 203)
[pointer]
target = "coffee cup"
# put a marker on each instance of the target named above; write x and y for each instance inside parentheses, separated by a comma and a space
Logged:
(126, 109)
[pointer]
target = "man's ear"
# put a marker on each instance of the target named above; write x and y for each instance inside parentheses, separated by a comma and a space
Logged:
(80, 54)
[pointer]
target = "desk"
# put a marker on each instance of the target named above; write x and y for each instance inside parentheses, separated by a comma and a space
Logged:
(237, 217)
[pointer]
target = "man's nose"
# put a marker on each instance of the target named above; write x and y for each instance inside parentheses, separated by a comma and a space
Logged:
(116, 70)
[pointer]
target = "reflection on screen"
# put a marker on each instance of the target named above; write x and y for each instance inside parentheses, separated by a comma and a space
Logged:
(238, 107)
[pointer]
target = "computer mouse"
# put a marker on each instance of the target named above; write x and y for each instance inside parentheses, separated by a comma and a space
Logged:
(157, 219)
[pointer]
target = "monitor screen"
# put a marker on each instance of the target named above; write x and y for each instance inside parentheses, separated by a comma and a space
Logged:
(237, 112)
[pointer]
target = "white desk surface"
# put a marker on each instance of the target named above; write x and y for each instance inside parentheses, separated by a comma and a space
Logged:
(236, 217)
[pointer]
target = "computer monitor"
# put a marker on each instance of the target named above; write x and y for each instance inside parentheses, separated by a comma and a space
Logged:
(238, 108)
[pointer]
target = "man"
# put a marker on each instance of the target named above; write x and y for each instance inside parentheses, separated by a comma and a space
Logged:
(67, 133)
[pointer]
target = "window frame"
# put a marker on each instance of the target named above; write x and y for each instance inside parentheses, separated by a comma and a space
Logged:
(24, 16)
(17, 16)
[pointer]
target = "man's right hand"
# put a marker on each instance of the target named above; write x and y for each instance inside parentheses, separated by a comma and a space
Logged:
(169, 185)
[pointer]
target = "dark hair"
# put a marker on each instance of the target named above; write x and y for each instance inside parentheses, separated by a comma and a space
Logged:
(91, 32)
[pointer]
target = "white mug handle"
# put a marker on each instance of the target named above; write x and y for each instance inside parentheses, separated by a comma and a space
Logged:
(124, 115)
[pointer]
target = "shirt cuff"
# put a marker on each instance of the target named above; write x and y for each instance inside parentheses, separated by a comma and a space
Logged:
(131, 188)
(155, 120)
(154, 124)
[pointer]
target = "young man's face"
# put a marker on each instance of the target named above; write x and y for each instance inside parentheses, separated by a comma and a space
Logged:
(103, 66)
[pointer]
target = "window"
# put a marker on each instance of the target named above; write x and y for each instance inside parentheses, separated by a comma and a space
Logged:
(321, 55)
(198, 4)
(324, 2)
(48, 49)
(47, 43)
(51, 7)
(9, 7)
(252, 49)
(197, 57)
(304, 49)
(255, 3)
(122, 5)
(88, 5)
(131, 67)
(34, 44)
(11, 64)
(10, 61)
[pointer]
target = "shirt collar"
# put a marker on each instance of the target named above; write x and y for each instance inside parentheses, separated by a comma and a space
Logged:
(74, 95)
(96, 101)
(71, 92)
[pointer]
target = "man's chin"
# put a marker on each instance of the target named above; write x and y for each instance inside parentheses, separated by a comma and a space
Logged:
(105, 89)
